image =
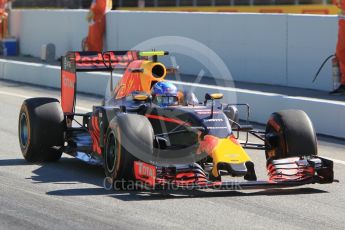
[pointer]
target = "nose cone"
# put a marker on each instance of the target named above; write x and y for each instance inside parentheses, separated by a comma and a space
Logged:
(230, 156)
(233, 169)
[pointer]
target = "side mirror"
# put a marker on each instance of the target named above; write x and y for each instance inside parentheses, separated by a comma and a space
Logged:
(213, 96)
(140, 96)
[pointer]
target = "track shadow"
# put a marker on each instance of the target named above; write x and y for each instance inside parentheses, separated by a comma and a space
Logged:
(68, 170)
(180, 194)
(65, 171)
(13, 162)
(71, 171)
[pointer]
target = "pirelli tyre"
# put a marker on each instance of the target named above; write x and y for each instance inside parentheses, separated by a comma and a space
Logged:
(290, 133)
(127, 135)
(41, 129)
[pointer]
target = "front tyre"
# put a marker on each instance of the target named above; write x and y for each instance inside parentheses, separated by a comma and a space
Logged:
(123, 140)
(290, 133)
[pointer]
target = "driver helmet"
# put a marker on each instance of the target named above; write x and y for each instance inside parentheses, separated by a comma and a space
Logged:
(164, 94)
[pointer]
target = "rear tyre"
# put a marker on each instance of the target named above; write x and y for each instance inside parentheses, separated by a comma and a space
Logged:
(40, 128)
(123, 138)
(290, 133)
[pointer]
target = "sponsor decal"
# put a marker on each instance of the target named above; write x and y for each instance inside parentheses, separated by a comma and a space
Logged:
(213, 120)
(68, 83)
(99, 59)
(224, 127)
(207, 112)
(67, 91)
(145, 172)
(68, 65)
(233, 156)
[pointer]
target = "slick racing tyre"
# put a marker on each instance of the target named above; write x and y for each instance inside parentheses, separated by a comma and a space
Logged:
(123, 139)
(40, 128)
(290, 133)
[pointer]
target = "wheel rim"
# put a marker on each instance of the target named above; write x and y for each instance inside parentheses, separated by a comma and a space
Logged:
(23, 130)
(111, 154)
(276, 150)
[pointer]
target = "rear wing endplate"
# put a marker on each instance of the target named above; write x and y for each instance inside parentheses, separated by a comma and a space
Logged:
(98, 61)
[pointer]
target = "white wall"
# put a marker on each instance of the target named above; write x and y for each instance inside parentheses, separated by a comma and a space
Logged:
(311, 39)
(252, 46)
(34, 28)
(262, 48)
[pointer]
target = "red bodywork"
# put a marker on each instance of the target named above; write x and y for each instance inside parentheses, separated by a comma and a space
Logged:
(95, 135)
(292, 169)
(68, 90)
(75, 62)
(130, 81)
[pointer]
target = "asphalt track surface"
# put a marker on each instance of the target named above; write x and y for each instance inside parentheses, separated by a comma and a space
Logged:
(69, 194)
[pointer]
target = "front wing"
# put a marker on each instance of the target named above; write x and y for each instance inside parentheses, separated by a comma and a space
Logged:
(284, 173)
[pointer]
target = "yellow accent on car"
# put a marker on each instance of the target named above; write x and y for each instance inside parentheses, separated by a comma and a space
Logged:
(152, 53)
(227, 151)
(140, 97)
(153, 72)
(216, 96)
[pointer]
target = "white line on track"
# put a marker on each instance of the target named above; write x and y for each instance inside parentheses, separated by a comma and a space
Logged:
(87, 110)
(13, 95)
(26, 97)
(83, 109)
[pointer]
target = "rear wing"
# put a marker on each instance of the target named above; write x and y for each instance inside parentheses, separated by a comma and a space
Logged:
(97, 61)
(74, 62)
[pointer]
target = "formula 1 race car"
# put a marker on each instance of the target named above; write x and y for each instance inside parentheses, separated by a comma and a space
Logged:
(158, 139)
